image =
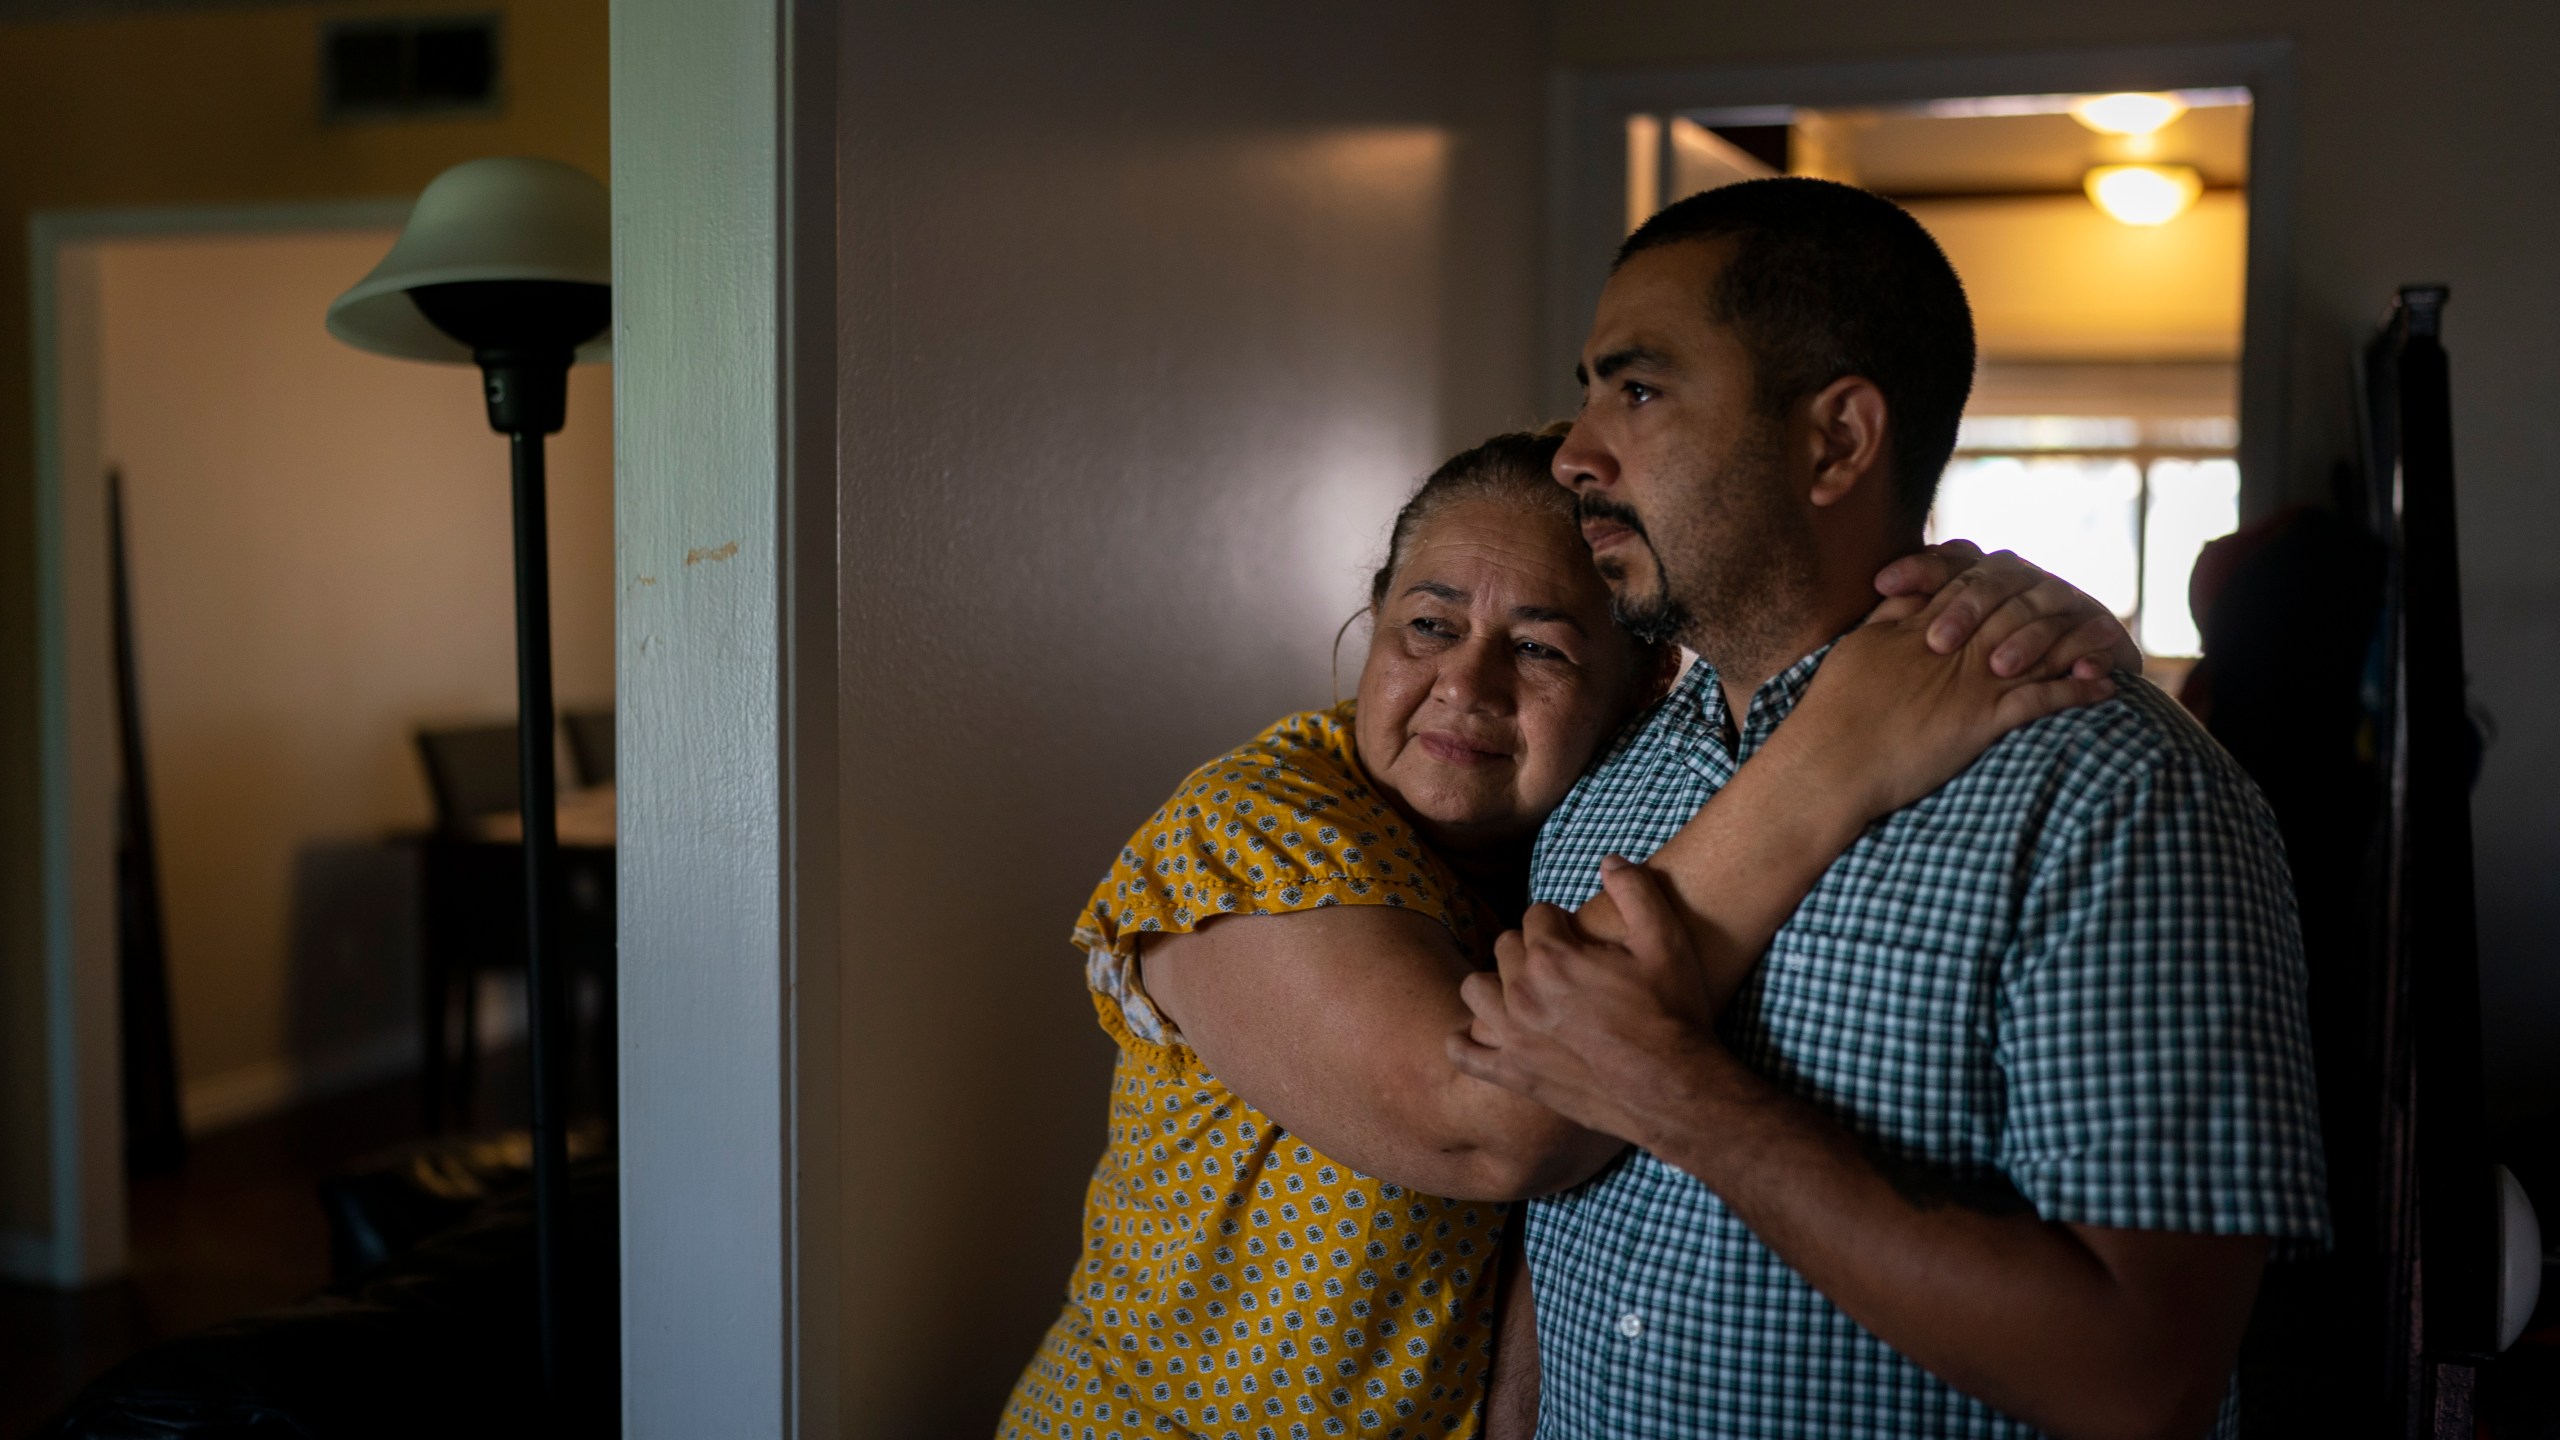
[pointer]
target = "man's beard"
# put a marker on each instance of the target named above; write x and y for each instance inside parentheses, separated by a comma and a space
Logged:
(1746, 558)
(1656, 618)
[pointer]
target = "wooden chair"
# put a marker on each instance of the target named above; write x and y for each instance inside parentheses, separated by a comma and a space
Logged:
(471, 891)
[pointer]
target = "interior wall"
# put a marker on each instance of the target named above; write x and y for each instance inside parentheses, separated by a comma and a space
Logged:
(2408, 170)
(209, 106)
(322, 560)
(2053, 278)
(1152, 316)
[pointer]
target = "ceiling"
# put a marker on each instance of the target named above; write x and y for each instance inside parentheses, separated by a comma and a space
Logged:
(2052, 279)
(1911, 152)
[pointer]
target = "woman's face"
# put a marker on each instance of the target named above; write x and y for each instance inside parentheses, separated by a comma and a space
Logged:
(1494, 673)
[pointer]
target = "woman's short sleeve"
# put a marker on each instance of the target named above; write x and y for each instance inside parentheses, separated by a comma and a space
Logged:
(1284, 823)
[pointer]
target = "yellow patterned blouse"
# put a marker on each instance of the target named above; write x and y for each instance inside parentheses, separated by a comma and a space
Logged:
(1236, 1284)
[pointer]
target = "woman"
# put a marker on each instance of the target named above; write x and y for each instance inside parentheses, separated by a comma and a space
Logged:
(1244, 1274)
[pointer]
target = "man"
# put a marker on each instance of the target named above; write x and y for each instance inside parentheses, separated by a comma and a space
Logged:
(2001, 1134)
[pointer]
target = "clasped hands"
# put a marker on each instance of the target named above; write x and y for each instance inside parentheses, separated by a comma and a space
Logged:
(1614, 1034)
(1608, 1018)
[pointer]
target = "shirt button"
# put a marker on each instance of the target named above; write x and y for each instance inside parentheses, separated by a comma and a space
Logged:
(1631, 1324)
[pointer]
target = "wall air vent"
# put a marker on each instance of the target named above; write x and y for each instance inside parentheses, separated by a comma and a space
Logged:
(393, 69)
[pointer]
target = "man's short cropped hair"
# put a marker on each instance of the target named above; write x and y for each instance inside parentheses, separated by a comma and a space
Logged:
(1829, 280)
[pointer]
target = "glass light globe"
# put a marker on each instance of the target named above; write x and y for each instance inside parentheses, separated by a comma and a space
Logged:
(2144, 194)
(2127, 114)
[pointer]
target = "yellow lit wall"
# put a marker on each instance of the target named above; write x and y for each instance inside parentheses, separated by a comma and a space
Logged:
(2053, 278)
(213, 107)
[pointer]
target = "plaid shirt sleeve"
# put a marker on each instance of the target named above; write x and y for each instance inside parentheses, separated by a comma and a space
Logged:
(2152, 1031)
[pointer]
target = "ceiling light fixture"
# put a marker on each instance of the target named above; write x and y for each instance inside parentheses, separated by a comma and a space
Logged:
(2127, 114)
(2144, 194)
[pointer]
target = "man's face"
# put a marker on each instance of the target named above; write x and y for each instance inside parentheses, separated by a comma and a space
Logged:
(1688, 497)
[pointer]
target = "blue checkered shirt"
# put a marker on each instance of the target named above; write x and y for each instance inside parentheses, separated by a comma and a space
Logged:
(2073, 972)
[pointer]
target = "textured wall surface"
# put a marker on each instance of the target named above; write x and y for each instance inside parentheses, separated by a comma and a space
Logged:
(1152, 315)
(707, 1071)
(2052, 278)
(2406, 174)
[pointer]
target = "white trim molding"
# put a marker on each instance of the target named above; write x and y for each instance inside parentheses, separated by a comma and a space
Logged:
(724, 446)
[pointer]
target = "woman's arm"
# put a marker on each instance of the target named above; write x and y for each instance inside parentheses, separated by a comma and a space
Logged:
(1333, 1023)
(1895, 712)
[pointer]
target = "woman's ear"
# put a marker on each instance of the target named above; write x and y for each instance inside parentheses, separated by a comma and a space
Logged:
(1370, 612)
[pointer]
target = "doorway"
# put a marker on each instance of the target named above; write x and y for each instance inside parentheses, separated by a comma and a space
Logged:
(2102, 241)
(2121, 246)
(318, 548)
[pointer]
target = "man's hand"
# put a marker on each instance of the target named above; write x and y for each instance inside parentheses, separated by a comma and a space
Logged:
(2032, 623)
(1602, 1033)
(2079, 1330)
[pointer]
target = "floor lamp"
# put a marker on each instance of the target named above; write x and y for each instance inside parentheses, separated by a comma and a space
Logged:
(507, 263)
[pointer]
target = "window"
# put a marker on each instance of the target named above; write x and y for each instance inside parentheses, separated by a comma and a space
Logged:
(2116, 505)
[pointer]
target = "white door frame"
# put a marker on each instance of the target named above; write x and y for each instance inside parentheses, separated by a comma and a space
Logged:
(724, 195)
(76, 762)
(1587, 166)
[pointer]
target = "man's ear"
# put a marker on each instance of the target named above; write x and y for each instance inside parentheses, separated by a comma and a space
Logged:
(1847, 420)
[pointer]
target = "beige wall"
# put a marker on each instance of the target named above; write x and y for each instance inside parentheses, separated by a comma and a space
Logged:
(2053, 278)
(1150, 314)
(2420, 158)
(210, 107)
(321, 556)
(1153, 314)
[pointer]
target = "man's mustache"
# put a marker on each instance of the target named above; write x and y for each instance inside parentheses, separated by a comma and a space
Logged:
(1587, 508)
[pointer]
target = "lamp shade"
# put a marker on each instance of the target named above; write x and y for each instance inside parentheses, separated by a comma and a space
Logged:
(508, 217)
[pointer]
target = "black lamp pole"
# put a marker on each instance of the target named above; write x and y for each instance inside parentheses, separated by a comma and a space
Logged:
(524, 335)
(543, 986)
